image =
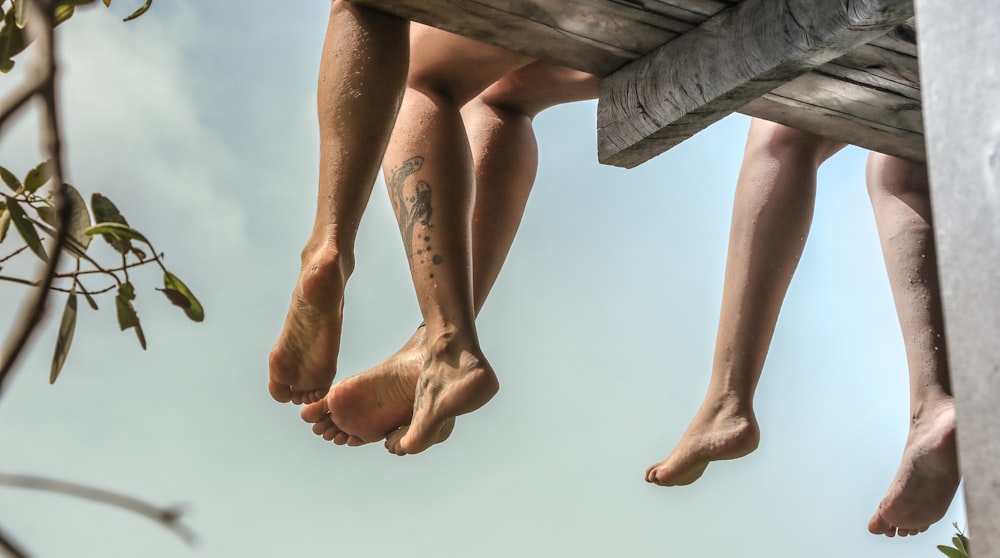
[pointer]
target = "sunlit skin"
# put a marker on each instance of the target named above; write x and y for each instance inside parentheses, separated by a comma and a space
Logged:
(371, 48)
(412, 399)
(771, 218)
(458, 196)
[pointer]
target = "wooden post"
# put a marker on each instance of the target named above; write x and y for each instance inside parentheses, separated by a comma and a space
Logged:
(958, 45)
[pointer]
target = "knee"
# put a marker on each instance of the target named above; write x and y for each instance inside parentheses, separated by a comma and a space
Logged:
(443, 90)
(891, 175)
(789, 145)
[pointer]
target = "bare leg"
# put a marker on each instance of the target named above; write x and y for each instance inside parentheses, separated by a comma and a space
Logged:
(498, 123)
(772, 213)
(364, 51)
(928, 475)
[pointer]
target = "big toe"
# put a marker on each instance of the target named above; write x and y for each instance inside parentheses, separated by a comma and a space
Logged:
(315, 412)
(877, 525)
(282, 393)
(416, 439)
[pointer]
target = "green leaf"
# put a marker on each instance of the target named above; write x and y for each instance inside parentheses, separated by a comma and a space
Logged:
(79, 222)
(139, 253)
(63, 12)
(127, 291)
(127, 318)
(65, 339)
(961, 542)
(178, 294)
(25, 227)
(90, 300)
(65, 8)
(47, 214)
(106, 212)
(10, 180)
(20, 13)
(4, 223)
(138, 12)
(12, 41)
(123, 233)
(951, 552)
(38, 176)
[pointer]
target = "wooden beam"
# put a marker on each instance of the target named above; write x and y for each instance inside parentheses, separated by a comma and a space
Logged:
(958, 67)
(869, 97)
(596, 36)
(740, 54)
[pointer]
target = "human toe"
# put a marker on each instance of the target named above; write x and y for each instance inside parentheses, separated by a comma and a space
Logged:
(282, 393)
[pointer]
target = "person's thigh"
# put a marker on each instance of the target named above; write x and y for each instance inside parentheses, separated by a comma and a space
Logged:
(454, 66)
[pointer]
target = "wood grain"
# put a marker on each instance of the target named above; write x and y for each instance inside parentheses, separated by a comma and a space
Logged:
(698, 78)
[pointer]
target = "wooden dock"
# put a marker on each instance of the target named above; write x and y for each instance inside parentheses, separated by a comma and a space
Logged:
(853, 80)
(850, 70)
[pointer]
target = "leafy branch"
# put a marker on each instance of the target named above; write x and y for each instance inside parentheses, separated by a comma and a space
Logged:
(961, 545)
(64, 216)
(32, 215)
(14, 13)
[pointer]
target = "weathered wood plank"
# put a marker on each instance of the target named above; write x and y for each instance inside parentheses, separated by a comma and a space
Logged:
(878, 68)
(694, 12)
(958, 67)
(695, 80)
(902, 39)
(847, 111)
(596, 36)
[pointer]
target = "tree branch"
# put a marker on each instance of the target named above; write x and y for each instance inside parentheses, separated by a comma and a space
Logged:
(169, 517)
(40, 27)
(11, 547)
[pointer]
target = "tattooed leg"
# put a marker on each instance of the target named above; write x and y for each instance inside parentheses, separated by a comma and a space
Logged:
(365, 407)
(372, 49)
(433, 209)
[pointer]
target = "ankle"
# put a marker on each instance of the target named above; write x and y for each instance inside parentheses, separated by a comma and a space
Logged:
(727, 404)
(325, 269)
(448, 339)
(929, 412)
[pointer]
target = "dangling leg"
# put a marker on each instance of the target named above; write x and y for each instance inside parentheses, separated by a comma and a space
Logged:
(772, 213)
(928, 475)
(498, 123)
(365, 52)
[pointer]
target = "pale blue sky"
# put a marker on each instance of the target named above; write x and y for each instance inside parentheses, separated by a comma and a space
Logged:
(198, 120)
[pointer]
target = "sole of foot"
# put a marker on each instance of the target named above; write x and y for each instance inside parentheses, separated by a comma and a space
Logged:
(718, 438)
(926, 481)
(303, 362)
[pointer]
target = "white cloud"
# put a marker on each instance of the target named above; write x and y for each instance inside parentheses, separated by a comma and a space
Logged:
(135, 134)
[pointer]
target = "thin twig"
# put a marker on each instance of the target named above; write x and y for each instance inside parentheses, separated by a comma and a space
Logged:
(11, 547)
(14, 253)
(168, 517)
(80, 249)
(40, 27)
(19, 281)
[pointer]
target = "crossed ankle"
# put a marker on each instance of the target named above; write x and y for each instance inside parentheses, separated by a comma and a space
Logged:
(449, 341)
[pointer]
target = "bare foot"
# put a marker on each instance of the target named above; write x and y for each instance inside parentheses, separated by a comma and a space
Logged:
(364, 408)
(303, 362)
(927, 477)
(452, 382)
(716, 433)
